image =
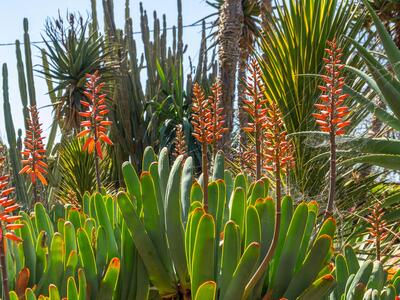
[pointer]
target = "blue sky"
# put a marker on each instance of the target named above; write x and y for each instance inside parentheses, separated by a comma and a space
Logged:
(13, 12)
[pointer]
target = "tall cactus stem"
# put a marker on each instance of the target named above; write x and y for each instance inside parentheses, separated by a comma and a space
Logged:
(28, 65)
(19, 183)
(22, 82)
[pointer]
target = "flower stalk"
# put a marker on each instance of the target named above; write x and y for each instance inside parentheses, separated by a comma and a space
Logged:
(95, 126)
(254, 105)
(34, 154)
(332, 115)
(278, 157)
(208, 126)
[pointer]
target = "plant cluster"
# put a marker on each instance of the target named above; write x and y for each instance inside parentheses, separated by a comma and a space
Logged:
(163, 214)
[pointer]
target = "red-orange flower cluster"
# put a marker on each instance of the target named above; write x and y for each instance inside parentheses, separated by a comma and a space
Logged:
(217, 117)
(180, 142)
(377, 228)
(254, 103)
(278, 151)
(332, 115)
(207, 117)
(7, 205)
(96, 123)
(34, 155)
(200, 115)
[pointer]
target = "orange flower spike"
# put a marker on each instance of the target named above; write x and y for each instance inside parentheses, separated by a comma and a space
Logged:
(333, 116)
(200, 121)
(202, 131)
(180, 142)
(215, 116)
(34, 155)
(7, 206)
(94, 127)
(278, 151)
(377, 228)
(254, 105)
(332, 96)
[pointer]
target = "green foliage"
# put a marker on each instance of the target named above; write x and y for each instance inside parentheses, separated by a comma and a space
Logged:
(71, 54)
(384, 81)
(77, 173)
(367, 280)
(202, 250)
(291, 49)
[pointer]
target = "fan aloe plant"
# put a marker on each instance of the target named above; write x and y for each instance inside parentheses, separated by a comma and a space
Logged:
(362, 280)
(213, 254)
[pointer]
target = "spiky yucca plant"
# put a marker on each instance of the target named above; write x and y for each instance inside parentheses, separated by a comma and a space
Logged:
(34, 154)
(332, 115)
(96, 123)
(7, 206)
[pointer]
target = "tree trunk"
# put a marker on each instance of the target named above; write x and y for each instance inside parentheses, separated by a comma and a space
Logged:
(229, 33)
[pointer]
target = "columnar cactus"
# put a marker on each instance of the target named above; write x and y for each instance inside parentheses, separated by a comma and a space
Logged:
(19, 182)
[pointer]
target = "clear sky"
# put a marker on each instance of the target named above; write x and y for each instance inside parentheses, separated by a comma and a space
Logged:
(12, 14)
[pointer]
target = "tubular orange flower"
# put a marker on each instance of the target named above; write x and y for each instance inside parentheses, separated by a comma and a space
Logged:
(95, 126)
(34, 154)
(180, 142)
